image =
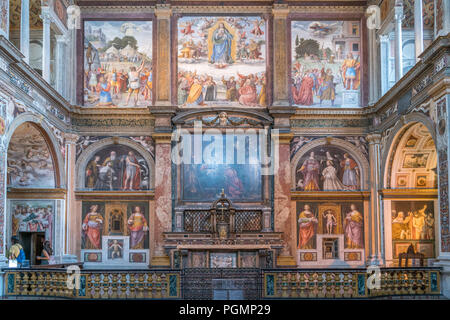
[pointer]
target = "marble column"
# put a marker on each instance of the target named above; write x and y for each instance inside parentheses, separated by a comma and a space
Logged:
(61, 62)
(46, 51)
(398, 16)
(284, 221)
(418, 27)
(72, 223)
(280, 55)
(25, 29)
(163, 13)
(375, 254)
(163, 199)
(384, 60)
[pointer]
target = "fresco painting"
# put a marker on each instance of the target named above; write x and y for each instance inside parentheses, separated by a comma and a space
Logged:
(240, 179)
(326, 63)
(413, 222)
(33, 216)
(30, 164)
(221, 61)
(112, 218)
(118, 68)
(342, 218)
(117, 167)
(328, 168)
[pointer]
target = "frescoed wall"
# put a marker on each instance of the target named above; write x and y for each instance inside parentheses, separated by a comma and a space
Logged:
(117, 167)
(30, 163)
(326, 63)
(221, 61)
(115, 232)
(118, 63)
(330, 233)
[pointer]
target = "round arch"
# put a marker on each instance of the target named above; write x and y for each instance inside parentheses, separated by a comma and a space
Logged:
(406, 122)
(87, 154)
(49, 137)
(336, 142)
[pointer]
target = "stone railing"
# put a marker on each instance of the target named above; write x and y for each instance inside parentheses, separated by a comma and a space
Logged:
(93, 284)
(350, 283)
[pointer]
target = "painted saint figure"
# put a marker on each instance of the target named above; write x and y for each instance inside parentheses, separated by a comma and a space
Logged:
(92, 228)
(233, 184)
(221, 53)
(132, 176)
(307, 224)
(351, 173)
(310, 171)
(353, 225)
(138, 226)
(331, 181)
(350, 72)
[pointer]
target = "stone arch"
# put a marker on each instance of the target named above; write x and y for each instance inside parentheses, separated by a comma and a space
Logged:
(336, 142)
(49, 137)
(87, 154)
(399, 130)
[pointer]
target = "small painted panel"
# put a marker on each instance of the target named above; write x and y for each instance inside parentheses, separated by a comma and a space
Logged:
(222, 260)
(326, 63)
(118, 63)
(221, 61)
(247, 259)
(138, 257)
(93, 256)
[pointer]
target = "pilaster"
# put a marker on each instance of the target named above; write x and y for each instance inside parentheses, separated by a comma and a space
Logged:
(375, 254)
(70, 216)
(163, 13)
(25, 29)
(280, 56)
(46, 51)
(61, 72)
(398, 17)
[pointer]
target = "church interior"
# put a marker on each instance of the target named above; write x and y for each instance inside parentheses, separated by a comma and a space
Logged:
(204, 149)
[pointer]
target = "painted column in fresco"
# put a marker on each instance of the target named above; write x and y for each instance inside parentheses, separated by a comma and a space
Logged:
(282, 196)
(384, 68)
(418, 27)
(46, 51)
(375, 251)
(25, 29)
(280, 56)
(374, 69)
(398, 17)
(162, 220)
(61, 64)
(70, 213)
(163, 85)
(73, 24)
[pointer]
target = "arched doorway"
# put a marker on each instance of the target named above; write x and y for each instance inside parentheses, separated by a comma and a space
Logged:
(411, 199)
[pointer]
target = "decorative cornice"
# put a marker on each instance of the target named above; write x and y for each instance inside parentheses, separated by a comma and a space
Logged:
(162, 137)
(283, 138)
